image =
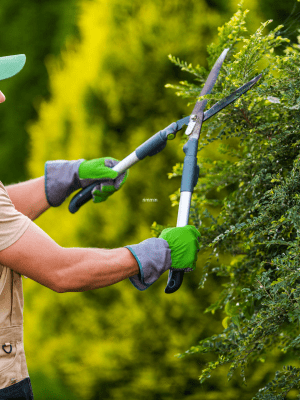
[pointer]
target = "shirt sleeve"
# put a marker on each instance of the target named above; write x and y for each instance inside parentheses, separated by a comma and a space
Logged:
(13, 224)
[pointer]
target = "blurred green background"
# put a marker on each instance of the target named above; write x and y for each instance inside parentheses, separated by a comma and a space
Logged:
(94, 86)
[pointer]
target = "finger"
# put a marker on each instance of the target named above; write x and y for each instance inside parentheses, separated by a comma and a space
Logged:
(110, 162)
(195, 230)
(107, 188)
(100, 199)
(120, 180)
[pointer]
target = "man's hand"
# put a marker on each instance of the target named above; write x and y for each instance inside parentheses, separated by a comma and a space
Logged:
(175, 249)
(184, 245)
(100, 169)
(64, 177)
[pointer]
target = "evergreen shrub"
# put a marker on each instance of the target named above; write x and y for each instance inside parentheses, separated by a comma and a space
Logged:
(248, 200)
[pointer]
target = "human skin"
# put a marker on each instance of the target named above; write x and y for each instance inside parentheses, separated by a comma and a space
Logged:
(37, 256)
(29, 197)
(2, 97)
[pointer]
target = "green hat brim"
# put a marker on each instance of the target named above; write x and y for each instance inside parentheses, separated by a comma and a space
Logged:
(11, 65)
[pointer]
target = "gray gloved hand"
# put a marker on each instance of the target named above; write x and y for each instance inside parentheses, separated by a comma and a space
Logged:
(175, 249)
(64, 177)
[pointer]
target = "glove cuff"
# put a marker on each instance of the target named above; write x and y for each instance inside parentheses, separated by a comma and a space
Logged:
(61, 179)
(153, 257)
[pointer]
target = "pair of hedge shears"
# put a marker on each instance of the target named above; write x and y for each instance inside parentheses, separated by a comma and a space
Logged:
(157, 143)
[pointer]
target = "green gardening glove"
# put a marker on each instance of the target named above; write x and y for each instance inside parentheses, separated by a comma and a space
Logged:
(64, 177)
(101, 169)
(175, 249)
(184, 245)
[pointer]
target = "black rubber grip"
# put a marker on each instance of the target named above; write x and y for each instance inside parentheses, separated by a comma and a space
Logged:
(81, 198)
(174, 281)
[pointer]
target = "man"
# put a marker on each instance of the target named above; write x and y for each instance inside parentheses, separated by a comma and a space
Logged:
(25, 249)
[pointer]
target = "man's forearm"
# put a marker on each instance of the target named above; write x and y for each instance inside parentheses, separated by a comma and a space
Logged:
(29, 197)
(89, 269)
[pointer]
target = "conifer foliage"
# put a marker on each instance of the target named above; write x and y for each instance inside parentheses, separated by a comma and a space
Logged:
(254, 181)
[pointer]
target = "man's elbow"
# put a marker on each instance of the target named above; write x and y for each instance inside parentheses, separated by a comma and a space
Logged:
(54, 284)
(58, 284)
(58, 289)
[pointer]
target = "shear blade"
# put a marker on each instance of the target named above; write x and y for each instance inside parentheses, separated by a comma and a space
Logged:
(208, 86)
(221, 104)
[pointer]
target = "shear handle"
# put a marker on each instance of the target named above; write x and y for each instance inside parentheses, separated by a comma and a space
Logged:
(190, 175)
(150, 147)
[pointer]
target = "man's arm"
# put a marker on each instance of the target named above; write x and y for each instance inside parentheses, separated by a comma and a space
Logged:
(89, 269)
(29, 197)
(40, 258)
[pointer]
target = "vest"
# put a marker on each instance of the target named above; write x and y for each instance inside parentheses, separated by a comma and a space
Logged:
(13, 366)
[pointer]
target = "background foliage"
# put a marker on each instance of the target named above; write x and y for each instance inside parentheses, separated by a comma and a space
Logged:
(258, 224)
(94, 86)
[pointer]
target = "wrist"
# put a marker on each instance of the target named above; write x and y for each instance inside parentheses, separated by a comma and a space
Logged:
(61, 179)
(153, 257)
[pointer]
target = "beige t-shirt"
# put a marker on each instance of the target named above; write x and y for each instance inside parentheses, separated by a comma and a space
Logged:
(12, 223)
(13, 368)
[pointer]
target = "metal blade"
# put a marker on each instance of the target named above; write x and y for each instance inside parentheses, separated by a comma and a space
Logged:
(231, 98)
(222, 103)
(209, 84)
(212, 77)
